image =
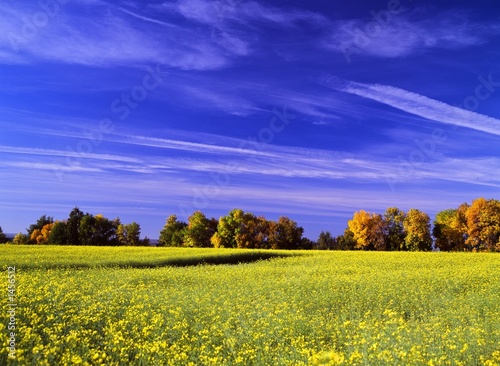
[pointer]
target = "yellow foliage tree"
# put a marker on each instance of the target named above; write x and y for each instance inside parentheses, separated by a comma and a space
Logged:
(216, 240)
(368, 229)
(483, 224)
(417, 225)
(42, 236)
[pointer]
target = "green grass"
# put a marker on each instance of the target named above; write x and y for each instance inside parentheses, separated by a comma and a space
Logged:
(351, 308)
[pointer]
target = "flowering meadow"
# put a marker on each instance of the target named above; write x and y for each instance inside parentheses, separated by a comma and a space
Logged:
(163, 306)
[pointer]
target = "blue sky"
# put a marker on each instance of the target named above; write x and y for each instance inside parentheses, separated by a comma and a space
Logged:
(311, 110)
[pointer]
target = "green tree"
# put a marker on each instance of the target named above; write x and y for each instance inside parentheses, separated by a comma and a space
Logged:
(58, 234)
(173, 232)
(97, 230)
(3, 237)
(133, 231)
(20, 238)
(73, 223)
(307, 244)
(449, 232)
(326, 241)
(368, 230)
(394, 228)
(121, 233)
(199, 230)
(285, 234)
(345, 241)
(104, 231)
(87, 230)
(228, 228)
(418, 231)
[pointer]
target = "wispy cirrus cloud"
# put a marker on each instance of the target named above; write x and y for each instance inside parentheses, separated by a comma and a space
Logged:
(123, 37)
(71, 36)
(187, 146)
(63, 153)
(304, 179)
(233, 104)
(423, 106)
(148, 19)
(49, 166)
(406, 32)
(283, 162)
(215, 13)
(186, 34)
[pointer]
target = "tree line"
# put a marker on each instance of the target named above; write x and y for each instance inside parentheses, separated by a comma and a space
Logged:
(81, 229)
(238, 229)
(395, 230)
(474, 227)
(470, 227)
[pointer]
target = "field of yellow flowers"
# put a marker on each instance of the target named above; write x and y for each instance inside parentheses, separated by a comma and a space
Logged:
(81, 306)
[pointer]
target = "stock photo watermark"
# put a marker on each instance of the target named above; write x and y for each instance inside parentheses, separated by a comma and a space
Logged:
(484, 90)
(363, 36)
(255, 145)
(33, 24)
(426, 149)
(11, 311)
(121, 107)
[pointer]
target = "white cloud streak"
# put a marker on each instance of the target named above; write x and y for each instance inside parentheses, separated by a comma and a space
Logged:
(423, 106)
(64, 153)
(189, 146)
